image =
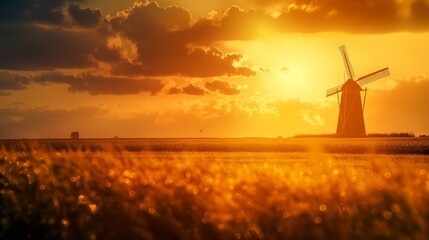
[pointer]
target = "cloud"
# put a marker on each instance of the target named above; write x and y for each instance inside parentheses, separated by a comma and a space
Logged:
(83, 82)
(31, 47)
(233, 24)
(218, 117)
(71, 37)
(165, 47)
(205, 88)
(226, 116)
(98, 84)
(365, 16)
(257, 115)
(190, 89)
(48, 11)
(312, 118)
(84, 17)
(108, 55)
(300, 16)
(223, 87)
(151, 19)
(401, 109)
(193, 90)
(41, 35)
(196, 62)
(55, 35)
(13, 81)
(348, 16)
(174, 90)
(420, 14)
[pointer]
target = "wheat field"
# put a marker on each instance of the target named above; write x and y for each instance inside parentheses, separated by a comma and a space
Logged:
(215, 189)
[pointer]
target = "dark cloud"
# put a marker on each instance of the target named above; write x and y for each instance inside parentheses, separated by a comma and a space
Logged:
(420, 14)
(85, 82)
(39, 35)
(106, 54)
(174, 90)
(191, 62)
(216, 86)
(300, 16)
(164, 44)
(31, 47)
(150, 19)
(13, 81)
(192, 89)
(223, 87)
(166, 48)
(47, 11)
(357, 16)
(58, 34)
(84, 17)
(97, 84)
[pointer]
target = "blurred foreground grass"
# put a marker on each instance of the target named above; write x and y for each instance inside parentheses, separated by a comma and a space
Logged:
(106, 191)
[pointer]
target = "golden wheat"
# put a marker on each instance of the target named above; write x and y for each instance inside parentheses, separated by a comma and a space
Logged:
(101, 190)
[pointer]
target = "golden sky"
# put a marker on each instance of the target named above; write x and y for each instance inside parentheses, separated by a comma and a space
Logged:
(222, 68)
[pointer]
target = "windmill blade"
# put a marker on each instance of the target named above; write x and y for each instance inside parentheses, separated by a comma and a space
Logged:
(347, 64)
(333, 90)
(373, 76)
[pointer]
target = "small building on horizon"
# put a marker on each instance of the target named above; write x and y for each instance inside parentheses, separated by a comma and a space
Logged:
(74, 135)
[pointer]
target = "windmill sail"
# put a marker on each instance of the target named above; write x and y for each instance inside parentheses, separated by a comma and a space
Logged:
(334, 90)
(347, 64)
(373, 76)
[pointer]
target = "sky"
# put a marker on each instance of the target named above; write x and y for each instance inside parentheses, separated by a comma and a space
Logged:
(222, 68)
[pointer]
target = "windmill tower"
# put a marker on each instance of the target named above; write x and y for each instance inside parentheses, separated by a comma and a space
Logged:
(350, 119)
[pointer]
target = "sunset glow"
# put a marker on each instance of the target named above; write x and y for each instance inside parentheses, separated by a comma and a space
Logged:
(230, 68)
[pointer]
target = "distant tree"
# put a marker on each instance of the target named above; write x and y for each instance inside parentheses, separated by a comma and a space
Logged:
(74, 135)
(115, 137)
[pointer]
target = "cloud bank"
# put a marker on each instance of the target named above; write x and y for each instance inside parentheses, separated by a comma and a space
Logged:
(55, 37)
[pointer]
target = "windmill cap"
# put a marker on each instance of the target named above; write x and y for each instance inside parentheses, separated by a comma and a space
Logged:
(351, 85)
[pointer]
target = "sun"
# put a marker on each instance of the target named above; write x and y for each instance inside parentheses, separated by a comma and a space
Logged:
(299, 66)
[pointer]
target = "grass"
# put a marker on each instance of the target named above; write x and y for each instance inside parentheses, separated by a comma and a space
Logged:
(214, 189)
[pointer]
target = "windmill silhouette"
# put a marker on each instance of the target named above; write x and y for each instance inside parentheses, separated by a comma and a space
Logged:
(350, 119)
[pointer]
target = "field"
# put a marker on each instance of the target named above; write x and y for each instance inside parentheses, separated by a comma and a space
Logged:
(297, 188)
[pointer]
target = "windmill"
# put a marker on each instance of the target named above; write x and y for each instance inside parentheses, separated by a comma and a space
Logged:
(350, 119)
